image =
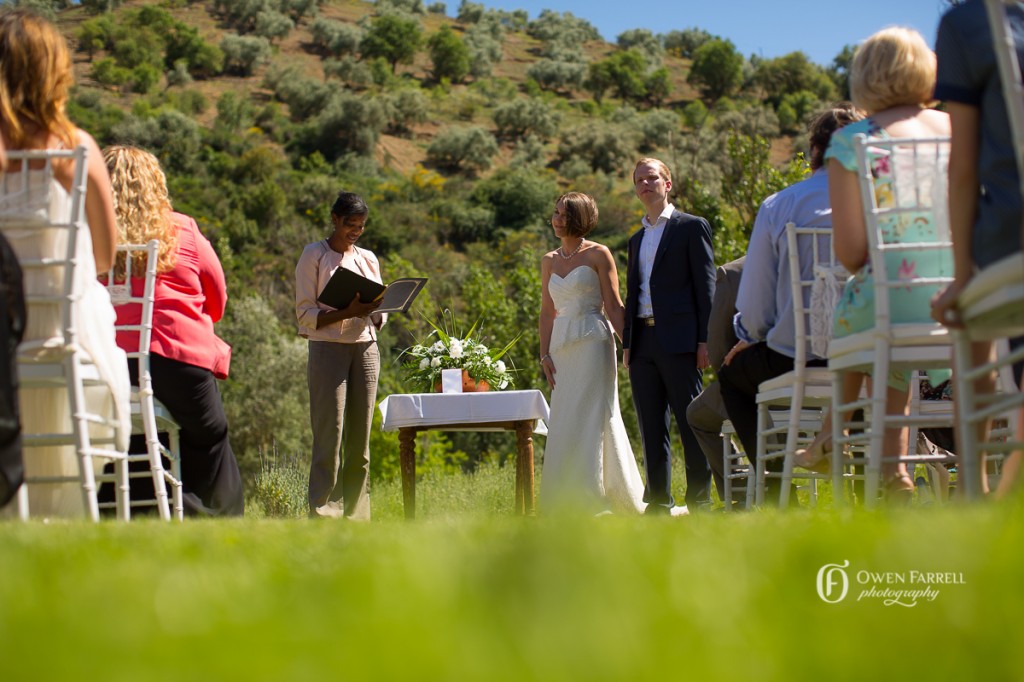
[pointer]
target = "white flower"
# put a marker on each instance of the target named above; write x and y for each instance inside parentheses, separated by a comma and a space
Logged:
(424, 363)
(503, 384)
(436, 362)
(456, 349)
(488, 361)
(437, 347)
(500, 366)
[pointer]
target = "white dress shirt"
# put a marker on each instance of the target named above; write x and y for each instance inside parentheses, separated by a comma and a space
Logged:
(648, 250)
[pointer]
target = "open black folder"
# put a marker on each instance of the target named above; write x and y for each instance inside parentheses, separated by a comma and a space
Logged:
(395, 297)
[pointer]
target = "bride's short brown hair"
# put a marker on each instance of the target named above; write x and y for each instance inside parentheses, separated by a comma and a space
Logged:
(580, 213)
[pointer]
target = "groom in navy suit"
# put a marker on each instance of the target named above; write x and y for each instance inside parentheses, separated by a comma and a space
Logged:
(670, 280)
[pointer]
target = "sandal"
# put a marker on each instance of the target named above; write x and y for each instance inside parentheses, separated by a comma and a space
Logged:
(899, 489)
(817, 456)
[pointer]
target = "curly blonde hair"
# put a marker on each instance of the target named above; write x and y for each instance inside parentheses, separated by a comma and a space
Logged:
(141, 203)
(35, 78)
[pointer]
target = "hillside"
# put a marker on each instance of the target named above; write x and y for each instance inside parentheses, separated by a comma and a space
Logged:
(261, 110)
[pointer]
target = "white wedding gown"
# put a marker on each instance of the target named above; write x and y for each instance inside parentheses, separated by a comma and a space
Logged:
(588, 461)
(47, 410)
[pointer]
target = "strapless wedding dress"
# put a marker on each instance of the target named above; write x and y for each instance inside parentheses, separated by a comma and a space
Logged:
(46, 410)
(588, 461)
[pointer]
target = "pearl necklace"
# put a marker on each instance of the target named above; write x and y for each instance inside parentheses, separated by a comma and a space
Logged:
(561, 250)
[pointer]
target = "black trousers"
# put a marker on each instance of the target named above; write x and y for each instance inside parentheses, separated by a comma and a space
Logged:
(740, 379)
(664, 384)
(211, 482)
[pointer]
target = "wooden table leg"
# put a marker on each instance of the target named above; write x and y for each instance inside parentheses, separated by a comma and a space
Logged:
(525, 501)
(407, 459)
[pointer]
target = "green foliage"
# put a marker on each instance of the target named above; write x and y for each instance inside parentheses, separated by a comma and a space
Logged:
(717, 68)
(521, 117)
(550, 26)
(334, 37)
(791, 74)
(686, 42)
(107, 72)
(796, 108)
(519, 197)
(349, 70)
(437, 8)
(407, 6)
(601, 147)
(243, 54)
(279, 489)
(839, 71)
(466, 150)
(266, 399)
(97, 6)
(643, 41)
(144, 78)
(347, 123)
(273, 25)
(405, 108)
(449, 55)
(750, 178)
(483, 40)
(392, 37)
(557, 75)
(657, 128)
(694, 114)
(470, 12)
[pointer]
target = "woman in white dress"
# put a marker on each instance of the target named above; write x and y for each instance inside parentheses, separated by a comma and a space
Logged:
(35, 70)
(588, 461)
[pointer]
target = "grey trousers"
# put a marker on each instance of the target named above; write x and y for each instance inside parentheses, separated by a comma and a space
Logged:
(342, 394)
(705, 416)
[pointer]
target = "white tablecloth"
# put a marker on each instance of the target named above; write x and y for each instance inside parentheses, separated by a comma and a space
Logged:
(426, 409)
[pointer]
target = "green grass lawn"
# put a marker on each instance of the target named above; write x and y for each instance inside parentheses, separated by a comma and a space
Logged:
(471, 592)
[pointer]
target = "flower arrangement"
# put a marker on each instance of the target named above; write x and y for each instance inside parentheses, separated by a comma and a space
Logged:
(423, 363)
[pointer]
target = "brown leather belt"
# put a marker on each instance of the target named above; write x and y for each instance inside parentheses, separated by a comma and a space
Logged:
(646, 321)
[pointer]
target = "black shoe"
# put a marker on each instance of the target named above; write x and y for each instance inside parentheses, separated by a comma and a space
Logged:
(657, 510)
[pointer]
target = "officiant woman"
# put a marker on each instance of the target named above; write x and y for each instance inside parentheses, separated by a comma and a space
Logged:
(343, 366)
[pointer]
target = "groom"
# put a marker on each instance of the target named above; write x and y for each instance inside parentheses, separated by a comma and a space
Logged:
(670, 280)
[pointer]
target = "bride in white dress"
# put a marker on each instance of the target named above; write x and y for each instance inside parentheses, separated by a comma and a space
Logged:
(36, 74)
(588, 461)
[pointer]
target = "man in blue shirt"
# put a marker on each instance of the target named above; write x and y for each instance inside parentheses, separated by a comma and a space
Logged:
(764, 321)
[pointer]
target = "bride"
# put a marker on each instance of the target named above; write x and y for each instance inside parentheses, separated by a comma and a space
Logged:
(588, 461)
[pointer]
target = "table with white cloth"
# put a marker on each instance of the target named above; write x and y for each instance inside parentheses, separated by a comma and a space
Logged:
(523, 412)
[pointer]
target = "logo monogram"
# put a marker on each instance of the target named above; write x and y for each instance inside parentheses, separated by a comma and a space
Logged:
(832, 578)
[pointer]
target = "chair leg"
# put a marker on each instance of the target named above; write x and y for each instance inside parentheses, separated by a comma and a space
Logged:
(838, 466)
(757, 463)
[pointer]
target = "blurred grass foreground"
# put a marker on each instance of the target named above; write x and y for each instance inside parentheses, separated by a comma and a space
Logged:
(472, 592)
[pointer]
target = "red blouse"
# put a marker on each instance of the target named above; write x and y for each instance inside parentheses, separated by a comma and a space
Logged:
(189, 299)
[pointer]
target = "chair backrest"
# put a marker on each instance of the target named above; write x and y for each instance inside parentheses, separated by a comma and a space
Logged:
(1010, 74)
(43, 221)
(815, 279)
(132, 296)
(904, 193)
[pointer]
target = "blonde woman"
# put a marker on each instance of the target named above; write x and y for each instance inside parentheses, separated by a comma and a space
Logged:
(35, 76)
(186, 355)
(891, 79)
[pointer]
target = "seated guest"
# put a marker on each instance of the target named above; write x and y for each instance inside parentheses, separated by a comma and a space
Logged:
(764, 321)
(892, 78)
(35, 80)
(186, 356)
(707, 412)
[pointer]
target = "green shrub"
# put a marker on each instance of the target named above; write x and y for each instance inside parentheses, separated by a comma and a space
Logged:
(462, 150)
(349, 70)
(449, 55)
(521, 117)
(242, 54)
(273, 25)
(334, 37)
(279, 489)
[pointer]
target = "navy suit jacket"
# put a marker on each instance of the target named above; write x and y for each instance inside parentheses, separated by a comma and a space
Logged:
(682, 284)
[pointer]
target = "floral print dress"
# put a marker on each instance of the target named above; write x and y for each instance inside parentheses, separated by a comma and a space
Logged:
(856, 309)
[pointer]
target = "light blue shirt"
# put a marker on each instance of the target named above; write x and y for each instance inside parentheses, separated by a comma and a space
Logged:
(765, 299)
(648, 250)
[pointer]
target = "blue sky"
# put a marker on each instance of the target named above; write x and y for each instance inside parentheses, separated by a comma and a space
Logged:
(768, 28)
